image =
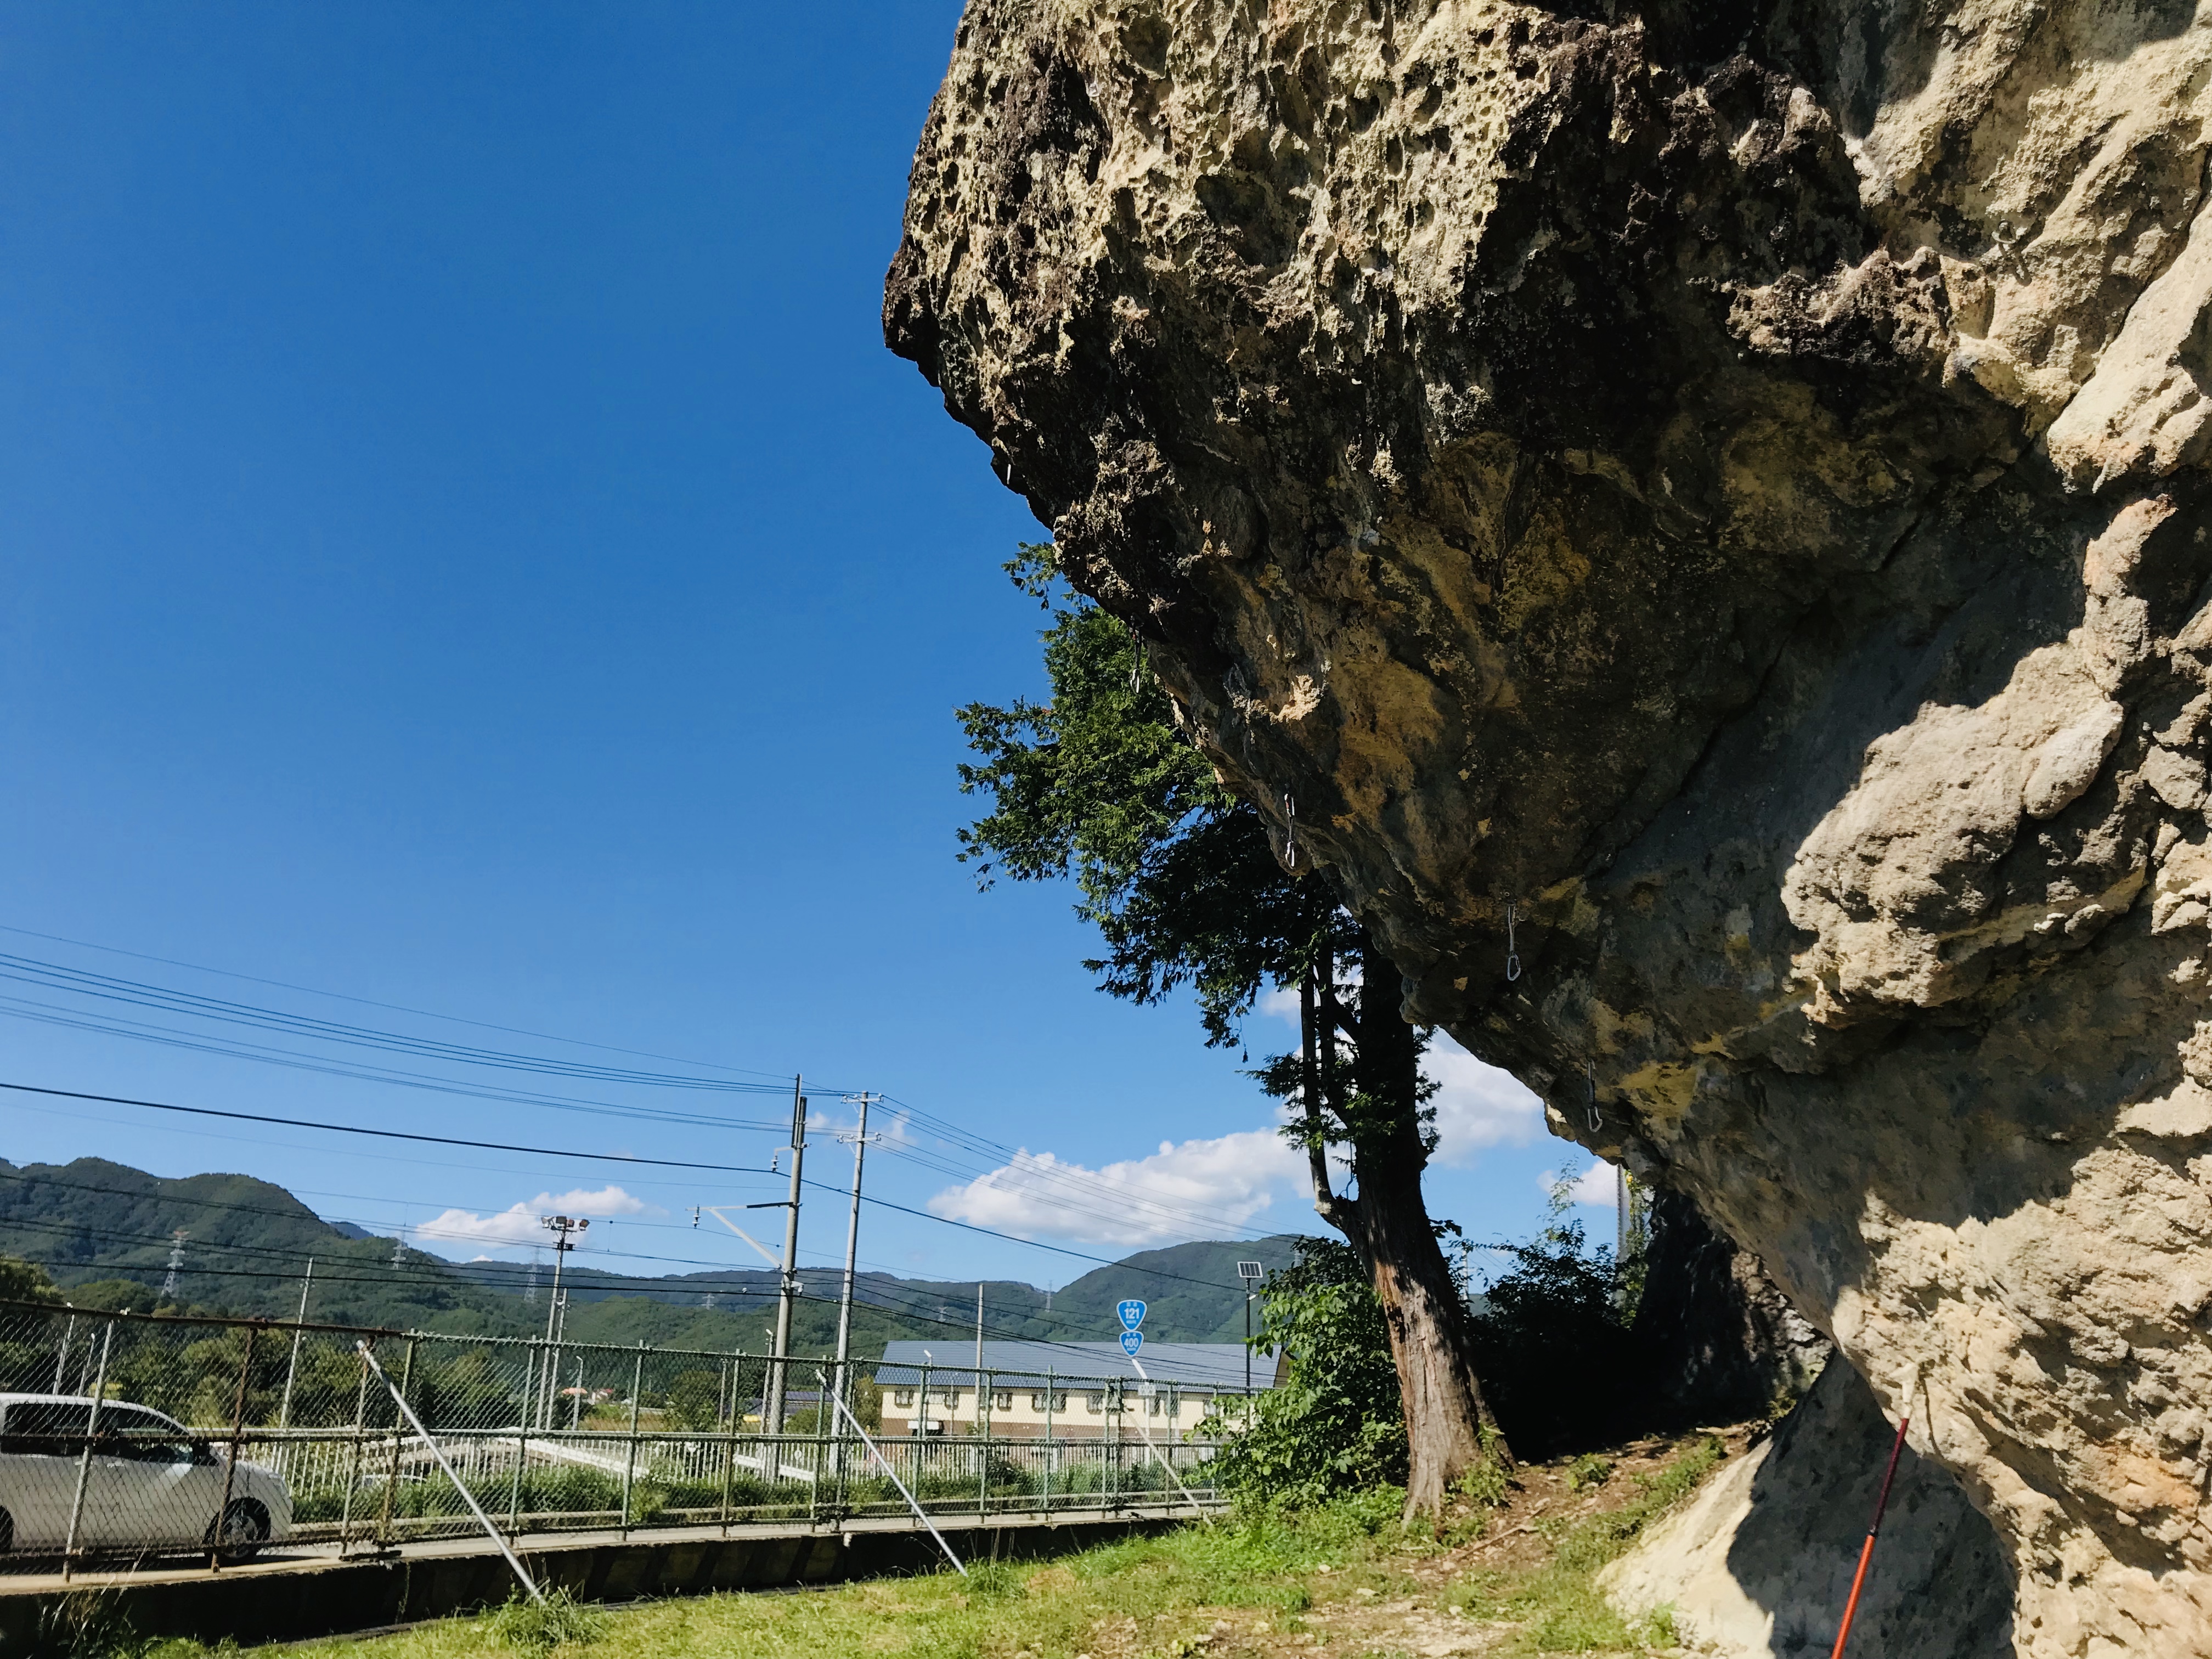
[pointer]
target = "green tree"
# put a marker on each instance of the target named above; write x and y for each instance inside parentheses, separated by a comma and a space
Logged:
(1180, 878)
(695, 1400)
(25, 1282)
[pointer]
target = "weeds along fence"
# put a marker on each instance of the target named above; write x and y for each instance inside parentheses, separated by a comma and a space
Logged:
(148, 1435)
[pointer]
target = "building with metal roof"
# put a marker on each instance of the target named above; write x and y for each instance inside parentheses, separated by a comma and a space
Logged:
(1065, 1389)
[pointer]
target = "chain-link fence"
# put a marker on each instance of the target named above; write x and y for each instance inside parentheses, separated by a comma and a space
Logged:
(137, 1437)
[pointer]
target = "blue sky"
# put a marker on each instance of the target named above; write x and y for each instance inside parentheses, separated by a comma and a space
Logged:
(463, 544)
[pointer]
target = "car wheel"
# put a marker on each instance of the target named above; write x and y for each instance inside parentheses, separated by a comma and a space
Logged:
(245, 1530)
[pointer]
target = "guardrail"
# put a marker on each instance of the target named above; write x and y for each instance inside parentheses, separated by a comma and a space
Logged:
(140, 1437)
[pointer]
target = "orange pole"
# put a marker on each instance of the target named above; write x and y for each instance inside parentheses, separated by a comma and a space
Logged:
(1866, 1553)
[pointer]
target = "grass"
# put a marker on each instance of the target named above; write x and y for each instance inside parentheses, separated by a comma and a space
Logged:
(1560, 1609)
(1262, 1582)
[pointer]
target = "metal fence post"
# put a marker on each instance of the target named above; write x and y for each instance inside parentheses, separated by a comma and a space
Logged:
(230, 1464)
(730, 1439)
(983, 1446)
(391, 1475)
(61, 1356)
(84, 1462)
(521, 1437)
(353, 1470)
(629, 1463)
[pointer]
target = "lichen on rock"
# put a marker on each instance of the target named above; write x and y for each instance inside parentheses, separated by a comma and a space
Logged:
(1728, 481)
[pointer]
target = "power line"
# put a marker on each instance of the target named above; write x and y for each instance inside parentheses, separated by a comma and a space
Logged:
(83, 983)
(381, 1135)
(170, 1037)
(391, 1007)
(107, 988)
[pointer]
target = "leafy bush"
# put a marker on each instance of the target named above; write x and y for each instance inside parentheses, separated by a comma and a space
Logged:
(1552, 1344)
(1336, 1423)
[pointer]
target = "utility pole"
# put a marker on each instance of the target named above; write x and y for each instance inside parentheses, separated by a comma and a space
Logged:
(176, 1263)
(979, 1351)
(772, 1418)
(292, 1369)
(852, 1248)
(563, 1229)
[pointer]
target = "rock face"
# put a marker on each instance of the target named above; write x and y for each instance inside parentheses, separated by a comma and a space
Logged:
(1760, 1563)
(1723, 488)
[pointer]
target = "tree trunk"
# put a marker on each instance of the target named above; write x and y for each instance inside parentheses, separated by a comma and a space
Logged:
(1389, 1226)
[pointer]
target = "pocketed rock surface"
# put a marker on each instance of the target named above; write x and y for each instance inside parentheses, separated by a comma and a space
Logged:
(1726, 486)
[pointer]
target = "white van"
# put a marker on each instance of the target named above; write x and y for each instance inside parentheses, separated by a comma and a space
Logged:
(151, 1483)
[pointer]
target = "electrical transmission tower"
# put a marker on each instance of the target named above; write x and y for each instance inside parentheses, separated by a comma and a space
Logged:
(176, 1263)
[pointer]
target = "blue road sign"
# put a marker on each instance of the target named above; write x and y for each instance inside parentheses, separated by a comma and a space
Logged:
(1132, 1315)
(1131, 1341)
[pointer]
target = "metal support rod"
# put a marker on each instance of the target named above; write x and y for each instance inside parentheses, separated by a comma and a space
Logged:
(1147, 1429)
(230, 1463)
(877, 1452)
(399, 1399)
(772, 1413)
(84, 1462)
(392, 1476)
(292, 1367)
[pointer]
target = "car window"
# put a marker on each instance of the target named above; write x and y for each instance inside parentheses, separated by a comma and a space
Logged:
(42, 1428)
(145, 1437)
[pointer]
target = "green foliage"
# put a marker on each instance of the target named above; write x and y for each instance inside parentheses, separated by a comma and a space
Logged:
(559, 1621)
(695, 1401)
(1336, 1424)
(995, 1581)
(1588, 1471)
(1174, 872)
(1557, 1362)
(24, 1281)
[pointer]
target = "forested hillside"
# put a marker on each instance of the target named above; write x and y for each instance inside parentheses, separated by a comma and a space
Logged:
(105, 1231)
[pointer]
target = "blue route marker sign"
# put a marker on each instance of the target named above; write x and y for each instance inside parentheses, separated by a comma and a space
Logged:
(1131, 1341)
(1133, 1314)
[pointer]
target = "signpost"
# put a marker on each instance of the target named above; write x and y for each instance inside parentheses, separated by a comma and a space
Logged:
(1133, 1315)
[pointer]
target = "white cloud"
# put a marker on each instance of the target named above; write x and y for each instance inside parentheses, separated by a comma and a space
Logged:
(1597, 1185)
(1477, 1106)
(1187, 1191)
(520, 1225)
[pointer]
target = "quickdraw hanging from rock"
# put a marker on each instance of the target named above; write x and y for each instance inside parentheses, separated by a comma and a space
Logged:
(1290, 832)
(1512, 956)
(1589, 1074)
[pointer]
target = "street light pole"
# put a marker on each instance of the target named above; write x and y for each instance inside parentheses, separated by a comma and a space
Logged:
(1250, 1272)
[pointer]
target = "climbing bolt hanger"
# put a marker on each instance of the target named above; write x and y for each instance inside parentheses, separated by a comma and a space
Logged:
(1589, 1074)
(1512, 957)
(1290, 832)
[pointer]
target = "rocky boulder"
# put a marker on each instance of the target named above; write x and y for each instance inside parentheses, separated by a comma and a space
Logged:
(1718, 491)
